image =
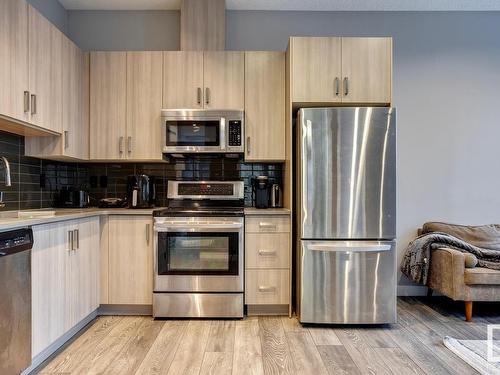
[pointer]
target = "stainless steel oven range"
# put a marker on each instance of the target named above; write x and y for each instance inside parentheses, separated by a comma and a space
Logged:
(199, 251)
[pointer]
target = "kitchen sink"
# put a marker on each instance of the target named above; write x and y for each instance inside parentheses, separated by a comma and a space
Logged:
(27, 214)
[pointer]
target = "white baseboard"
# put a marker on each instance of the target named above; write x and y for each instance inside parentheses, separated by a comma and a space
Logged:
(412, 290)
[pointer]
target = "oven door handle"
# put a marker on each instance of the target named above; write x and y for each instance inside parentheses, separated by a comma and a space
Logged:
(197, 227)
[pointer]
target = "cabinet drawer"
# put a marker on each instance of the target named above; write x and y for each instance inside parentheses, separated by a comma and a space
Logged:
(267, 287)
(260, 224)
(267, 250)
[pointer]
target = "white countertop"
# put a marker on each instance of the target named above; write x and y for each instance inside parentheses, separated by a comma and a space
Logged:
(267, 211)
(7, 222)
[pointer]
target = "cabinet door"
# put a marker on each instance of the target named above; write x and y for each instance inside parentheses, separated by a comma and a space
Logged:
(224, 78)
(75, 101)
(130, 260)
(265, 106)
(316, 69)
(108, 105)
(45, 72)
(48, 270)
(144, 100)
(182, 79)
(14, 58)
(82, 271)
(74, 141)
(367, 70)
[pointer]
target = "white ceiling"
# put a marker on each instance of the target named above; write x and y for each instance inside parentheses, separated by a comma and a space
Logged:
(315, 5)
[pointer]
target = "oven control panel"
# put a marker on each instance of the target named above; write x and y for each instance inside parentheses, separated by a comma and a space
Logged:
(234, 133)
(205, 189)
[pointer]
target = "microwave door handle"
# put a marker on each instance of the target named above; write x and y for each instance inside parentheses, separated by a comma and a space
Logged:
(222, 133)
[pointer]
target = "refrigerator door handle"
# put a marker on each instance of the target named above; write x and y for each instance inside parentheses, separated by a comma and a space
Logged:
(346, 247)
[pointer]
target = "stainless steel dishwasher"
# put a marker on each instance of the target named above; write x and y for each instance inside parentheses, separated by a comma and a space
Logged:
(15, 300)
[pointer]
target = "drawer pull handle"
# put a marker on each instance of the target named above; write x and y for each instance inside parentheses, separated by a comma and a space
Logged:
(267, 288)
(268, 226)
(267, 252)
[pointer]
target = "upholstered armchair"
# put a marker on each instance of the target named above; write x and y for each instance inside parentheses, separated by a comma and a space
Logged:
(449, 275)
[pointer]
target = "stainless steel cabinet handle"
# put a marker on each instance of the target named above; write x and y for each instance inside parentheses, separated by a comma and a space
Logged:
(346, 86)
(248, 145)
(120, 145)
(267, 288)
(66, 140)
(337, 86)
(33, 104)
(148, 227)
(76, 235)
(207, 95)
(198, 97)
(70, 240)
(26, 101)
(129, 143)
(267, 252)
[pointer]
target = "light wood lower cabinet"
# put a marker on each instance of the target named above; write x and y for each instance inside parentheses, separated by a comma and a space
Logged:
(130, 275)
(64, 278)
(267, 260)
(267, 287)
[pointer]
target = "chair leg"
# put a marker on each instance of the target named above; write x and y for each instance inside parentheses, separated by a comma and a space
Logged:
(468, 311)
(429, 292)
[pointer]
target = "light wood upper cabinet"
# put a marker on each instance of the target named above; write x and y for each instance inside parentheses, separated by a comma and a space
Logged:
(74, 141)
(183, 79)
(210, 80)
(125, 105)
(108, 100)
(45, 72)
(224, 78)
(144, 100)
(265, 106)
(130, 260)
(14, 58)
(316, 69)
(367, 70)
(347, 70)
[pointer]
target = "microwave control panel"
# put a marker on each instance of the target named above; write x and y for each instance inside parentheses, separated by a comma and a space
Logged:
(234, 133)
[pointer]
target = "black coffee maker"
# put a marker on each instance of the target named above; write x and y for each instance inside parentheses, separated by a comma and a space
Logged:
(261, 191)
(141, 191)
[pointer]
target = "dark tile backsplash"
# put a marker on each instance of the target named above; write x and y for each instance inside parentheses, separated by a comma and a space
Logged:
(35, 182)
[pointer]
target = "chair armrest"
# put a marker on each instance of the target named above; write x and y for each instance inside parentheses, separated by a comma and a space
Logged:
(446, 273)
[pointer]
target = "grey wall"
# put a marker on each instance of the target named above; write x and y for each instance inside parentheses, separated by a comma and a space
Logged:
(446, 89)
(53, 11)
(125, 30)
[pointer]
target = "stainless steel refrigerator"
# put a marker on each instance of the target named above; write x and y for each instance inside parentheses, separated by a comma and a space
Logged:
(346, 215)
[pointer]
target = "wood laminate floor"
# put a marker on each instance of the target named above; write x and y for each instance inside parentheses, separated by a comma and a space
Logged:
(276, 345)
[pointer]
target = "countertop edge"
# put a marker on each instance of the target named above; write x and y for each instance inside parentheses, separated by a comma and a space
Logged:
(71, 214)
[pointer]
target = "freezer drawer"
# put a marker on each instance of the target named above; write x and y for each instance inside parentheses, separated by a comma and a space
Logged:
(350, 282)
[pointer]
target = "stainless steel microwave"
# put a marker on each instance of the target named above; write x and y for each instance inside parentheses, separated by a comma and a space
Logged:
(202, 131)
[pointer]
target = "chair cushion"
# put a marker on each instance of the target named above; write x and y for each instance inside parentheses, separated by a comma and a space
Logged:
(483, 276)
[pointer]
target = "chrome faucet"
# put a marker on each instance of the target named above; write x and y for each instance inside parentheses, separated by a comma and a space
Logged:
(8, 182)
